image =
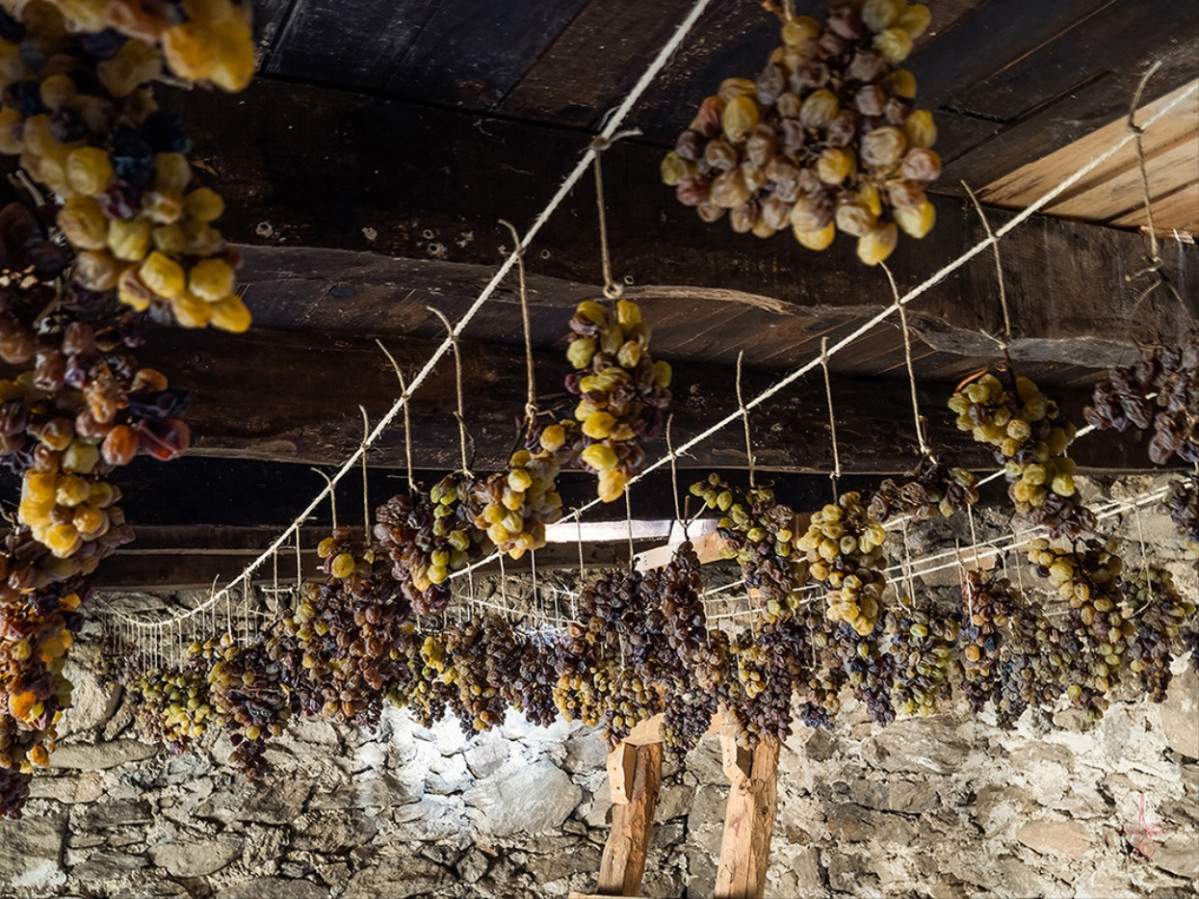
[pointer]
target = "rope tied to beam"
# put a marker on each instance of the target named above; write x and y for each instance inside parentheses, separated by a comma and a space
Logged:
(921, 441)
(832, 417)
(599, 145)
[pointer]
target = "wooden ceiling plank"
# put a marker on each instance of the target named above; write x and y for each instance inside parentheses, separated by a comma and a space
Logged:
(473, 58)
(987, 41)
(348, 44)
(1109, 34)
(593, 61)
(1168, 171)
(1034, 178)
(1181, 207)
(313, 168)
(1099, 102)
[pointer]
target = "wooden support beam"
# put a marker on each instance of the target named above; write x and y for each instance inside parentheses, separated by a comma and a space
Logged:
(276, 396)
(623, 862)
(749, 820)
(306, 167)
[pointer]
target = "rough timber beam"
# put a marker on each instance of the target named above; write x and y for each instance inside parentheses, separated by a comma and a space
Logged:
(749, 819)
(638, 773)
(308, 167)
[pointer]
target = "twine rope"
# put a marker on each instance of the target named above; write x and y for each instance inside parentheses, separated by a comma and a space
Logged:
(614, 122)
(832, 417)
(919, 290)
(563, 191)
(530, 375)
(918, 420)
(460, 410)
(601, 143)
(749, 447)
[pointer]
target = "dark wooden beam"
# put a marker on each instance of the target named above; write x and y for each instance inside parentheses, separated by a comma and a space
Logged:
(281, 397)
(311, 167)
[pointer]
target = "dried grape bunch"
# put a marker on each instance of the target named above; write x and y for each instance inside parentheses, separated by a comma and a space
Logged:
(757, 531)
(622, 392)
(14, 786)
(1022, 426)
(1182, 505)
(686, 717)
(1190, 643)
(844, 546)
(532, 676)
(1159, 612)
(246, 690)
(416, 686)
(36, 630)
(764, 668)
(78, 111)
(335, 649)
(1161, 392)
(513, 507)
(201, 41)
(930, 489)
(30, 261)
(923, 645)
(169, 703)
(826, 139)
(426, 537)
(675, 594)
(987, 604)
(477, 656)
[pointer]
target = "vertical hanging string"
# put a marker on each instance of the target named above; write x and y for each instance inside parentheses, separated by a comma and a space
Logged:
(749, 449)
(530, 375)
(332, 495)
(366, 498)
(922, 443)
(299, 568)
(600, 144)
(1006, 343)
(406, 399)
(1144, 558)
(579, 538)
(628, 517)
(533, 576)
(460, 412)
(674, 477)
(832, 418)
(1153, 262)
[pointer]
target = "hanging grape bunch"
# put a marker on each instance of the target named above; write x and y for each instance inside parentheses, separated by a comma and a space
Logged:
(1029, 440)
(36, 630)
(923, 644)
(169, 703)
(1159, 612)
(757, 531)
(1086, 574)
(929, 490)
(426, 537)
(826, 139)
(246, 691)
(844, 546)
(1182, 505)
(513, 507)
(79, 112)
(1160, 392)
(987, 605)
(622, 393)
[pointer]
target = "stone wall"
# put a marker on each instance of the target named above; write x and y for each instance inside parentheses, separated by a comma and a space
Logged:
(941, 807)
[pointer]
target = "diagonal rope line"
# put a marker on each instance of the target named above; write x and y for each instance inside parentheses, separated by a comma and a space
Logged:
(919, 290)
(613, 125)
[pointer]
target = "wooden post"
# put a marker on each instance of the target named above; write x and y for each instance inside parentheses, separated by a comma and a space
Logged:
(623, 861)
(749, 820)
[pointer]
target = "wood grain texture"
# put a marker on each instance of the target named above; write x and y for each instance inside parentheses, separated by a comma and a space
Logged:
(748, 825)
(622, 864)
(308, 167)
(277, 397)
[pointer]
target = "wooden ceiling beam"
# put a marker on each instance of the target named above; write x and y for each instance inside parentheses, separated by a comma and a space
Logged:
(280, 397)
(310, 167)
